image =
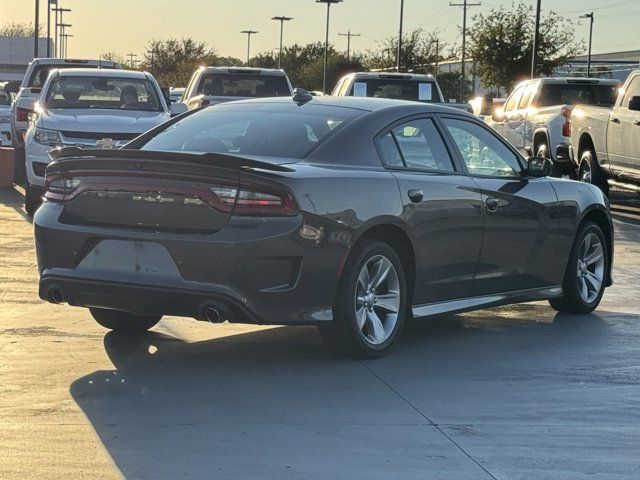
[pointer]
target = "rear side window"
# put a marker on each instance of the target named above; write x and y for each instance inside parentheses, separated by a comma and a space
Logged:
(272, 130)
(41, 72)
(399, 89)
(552, 94)
(415, 145)
(243, 85)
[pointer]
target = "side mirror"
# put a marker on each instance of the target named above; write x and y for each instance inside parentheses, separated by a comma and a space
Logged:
(178, 108)
(539, 167)
(498, 115)
(634, 104)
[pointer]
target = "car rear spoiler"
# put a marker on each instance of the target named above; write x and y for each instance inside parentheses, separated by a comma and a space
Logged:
(224, 160)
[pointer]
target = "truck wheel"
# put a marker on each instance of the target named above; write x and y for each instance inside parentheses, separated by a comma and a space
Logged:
(584, 281)
(31, 200)
(591, 172)
(124, 321)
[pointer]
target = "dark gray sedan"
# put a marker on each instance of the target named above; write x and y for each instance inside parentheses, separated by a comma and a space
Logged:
(350, 214)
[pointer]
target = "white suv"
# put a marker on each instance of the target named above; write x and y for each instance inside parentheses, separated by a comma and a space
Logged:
(210, 85)
(89, 108)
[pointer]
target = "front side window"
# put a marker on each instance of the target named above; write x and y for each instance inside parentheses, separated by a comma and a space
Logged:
(514, 99)
(269, 130)
(243, 85)
(483, 153)
(416, 145)
(99, 93)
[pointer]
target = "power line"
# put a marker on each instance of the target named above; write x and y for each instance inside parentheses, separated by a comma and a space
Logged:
(465, 6)
(349, 35)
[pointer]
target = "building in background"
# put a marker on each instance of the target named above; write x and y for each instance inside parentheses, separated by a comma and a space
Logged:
(616, 65)
(15, 55)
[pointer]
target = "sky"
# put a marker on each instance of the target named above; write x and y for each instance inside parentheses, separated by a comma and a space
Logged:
(124, 26)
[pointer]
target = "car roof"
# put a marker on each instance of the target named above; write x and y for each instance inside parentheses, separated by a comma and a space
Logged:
(92, 72)
(65, 61)
(392, 75)
(262, 71)
(573, 80)
(367, 104)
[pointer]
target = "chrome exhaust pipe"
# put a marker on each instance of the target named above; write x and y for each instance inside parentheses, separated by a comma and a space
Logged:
(55, 294)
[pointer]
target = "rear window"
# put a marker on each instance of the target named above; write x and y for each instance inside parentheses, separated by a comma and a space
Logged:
(243, 85)
(41, 72)
(575, 93)
(253, 129)
(399, 89)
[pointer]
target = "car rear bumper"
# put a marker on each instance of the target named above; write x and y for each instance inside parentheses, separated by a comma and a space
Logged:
(254, 270)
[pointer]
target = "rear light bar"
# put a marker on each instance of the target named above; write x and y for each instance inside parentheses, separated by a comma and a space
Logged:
(22, 114)
(566, 126)
(250, 200)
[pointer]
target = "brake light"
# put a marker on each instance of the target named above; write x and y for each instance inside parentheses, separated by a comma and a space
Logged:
(22, 114)
(566, 126)
(204, 102)
(59, 189)
(255, 200)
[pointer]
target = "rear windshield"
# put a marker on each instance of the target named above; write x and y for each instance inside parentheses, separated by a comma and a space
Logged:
(41, 72)
(253, 129)
(575, 93)
(415, 90)
(243, 85)
(97, 93)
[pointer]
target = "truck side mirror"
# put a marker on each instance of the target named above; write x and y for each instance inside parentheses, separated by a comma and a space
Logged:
(634, 103)
(178, 108)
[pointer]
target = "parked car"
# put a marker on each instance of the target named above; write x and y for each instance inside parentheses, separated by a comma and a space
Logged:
(605, 142)
(5, 117)
(535, 118)
(34, 78)
(345, 213)
(91, 108)
(175, 93)
(211, 85)
(399, 86)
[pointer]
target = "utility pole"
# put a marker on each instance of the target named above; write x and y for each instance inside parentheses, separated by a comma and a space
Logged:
(248, 33)
(437, 54)
(63, 39)
(326, 43)
(131, 58)
(281, 19)
(399, 55)
(349, 35)
(66, 43)
(590, 17)
(49, 2)
(36, 33)
(61, 11)
(536, 41)
(465, 6)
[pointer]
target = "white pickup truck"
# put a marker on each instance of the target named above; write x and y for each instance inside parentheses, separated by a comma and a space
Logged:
(605, 142)
(536, 116)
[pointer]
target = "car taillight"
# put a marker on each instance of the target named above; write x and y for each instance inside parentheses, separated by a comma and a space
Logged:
(566, 126)
(22, 114)
(204, 102)
(255, 200)
(59, 189)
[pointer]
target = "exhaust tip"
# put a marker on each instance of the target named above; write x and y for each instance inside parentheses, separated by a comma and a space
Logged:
(213, 314)
(55, 295)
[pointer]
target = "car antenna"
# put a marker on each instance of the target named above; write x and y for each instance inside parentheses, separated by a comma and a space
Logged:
(301, 96)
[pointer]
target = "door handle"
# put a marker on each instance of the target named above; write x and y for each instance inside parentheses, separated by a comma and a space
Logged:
(614, 120)
(492, 204)
(415, 196)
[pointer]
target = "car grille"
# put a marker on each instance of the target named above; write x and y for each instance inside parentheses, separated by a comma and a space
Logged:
(100, 135)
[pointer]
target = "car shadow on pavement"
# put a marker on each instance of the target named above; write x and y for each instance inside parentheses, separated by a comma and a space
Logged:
(275, 404)
(13, 199)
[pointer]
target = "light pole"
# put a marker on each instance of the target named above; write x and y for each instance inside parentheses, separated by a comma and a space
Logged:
(60, 11)
(590, 17)
(36, 33)
(536, 40)
(281, 19)
(349, 35)
(399, 55)
(248, 33)
(326, 42)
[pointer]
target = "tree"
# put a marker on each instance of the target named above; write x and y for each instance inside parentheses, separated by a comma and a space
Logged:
(450, 85)
(304, 64)
(17, 29)
(115, 57)
(173, 61)
(420, 53)
(501, 43)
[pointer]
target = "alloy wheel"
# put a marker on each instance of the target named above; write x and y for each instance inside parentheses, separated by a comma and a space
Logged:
(585, 172)
(377, 300)
(590, 270)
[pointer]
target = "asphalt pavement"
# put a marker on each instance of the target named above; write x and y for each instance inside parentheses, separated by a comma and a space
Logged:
(516, 392)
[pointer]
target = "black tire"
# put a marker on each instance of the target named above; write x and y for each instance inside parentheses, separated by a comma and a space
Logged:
(124, 321)
(589, 171)
(31, 200)
(572, 301)
(343, 335)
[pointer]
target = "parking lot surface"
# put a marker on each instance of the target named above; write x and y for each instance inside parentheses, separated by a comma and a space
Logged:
(515, 392)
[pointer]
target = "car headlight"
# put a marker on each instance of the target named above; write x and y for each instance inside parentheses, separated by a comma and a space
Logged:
(5, 118)
(47, 137)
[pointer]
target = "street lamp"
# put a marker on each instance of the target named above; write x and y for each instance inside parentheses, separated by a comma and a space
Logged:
(590, 17)
(281, 19)
(398, 64)
(248, 33)
(326, 42)
(36, 34)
